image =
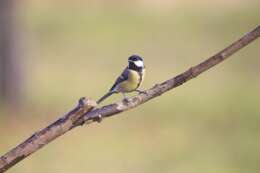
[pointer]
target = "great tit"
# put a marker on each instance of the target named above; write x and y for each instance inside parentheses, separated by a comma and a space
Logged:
(130, 79)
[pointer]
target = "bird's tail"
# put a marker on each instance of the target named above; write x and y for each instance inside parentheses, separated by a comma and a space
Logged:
(105, 96)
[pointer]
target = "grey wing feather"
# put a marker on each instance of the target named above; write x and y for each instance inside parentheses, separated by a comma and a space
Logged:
(121, 78)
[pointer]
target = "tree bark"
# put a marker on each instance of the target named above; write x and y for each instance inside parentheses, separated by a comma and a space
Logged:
(10, 54)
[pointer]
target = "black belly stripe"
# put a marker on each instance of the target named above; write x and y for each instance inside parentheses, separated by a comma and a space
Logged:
(140, 79)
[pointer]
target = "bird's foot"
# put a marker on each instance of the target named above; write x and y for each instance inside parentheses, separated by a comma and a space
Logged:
(141, 92)
(126, 100)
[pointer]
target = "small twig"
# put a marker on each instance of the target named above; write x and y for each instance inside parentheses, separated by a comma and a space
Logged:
(84, 113)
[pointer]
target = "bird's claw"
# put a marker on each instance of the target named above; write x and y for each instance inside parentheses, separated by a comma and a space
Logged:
(141, 92)
(126, 100)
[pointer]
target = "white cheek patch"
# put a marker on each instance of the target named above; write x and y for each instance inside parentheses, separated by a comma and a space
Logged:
(139, 63)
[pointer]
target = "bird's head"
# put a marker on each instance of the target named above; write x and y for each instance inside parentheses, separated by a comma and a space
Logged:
(135, 62)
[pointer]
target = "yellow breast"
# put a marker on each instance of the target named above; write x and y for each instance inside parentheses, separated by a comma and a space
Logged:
(132, 83)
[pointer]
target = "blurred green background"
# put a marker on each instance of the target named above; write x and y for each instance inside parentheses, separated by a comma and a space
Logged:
(77, 48)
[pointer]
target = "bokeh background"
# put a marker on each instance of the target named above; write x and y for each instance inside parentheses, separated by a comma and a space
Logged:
(77, 48)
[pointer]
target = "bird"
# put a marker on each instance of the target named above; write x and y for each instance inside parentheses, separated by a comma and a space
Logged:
(129, 80)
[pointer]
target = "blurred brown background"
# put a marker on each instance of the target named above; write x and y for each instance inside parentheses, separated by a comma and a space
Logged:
(62, 51)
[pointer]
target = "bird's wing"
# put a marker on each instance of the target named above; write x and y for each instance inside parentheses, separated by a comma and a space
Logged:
(121, 78)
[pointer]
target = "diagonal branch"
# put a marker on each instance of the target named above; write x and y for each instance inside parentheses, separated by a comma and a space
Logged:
(83, 113)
